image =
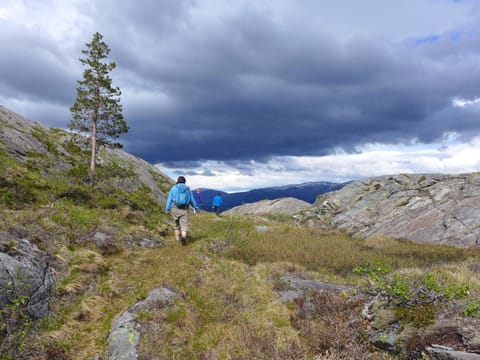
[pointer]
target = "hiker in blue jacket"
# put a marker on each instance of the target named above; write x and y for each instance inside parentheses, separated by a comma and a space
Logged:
(180, 198)
(217, 203)
(198, 198)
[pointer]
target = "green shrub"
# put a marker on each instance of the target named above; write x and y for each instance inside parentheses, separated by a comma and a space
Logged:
(142, 199)
(115, 170)
(409, 289)
(107, 203)
(400, 288)
(78, 221)
(472, 309)
(77, 194)
(20, 187)
(79, 173)
(72, 148)
(373, 270)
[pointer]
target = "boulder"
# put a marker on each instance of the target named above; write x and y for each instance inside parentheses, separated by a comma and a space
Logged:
(439, 352)
(124, 334)
(283, 206)
(25, 276)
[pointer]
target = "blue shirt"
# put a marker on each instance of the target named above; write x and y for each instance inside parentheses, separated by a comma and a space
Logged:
(198, 198)
(217, 200)
(173, 195)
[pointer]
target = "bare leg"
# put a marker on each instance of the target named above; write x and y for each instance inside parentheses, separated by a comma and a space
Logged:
(184, 238)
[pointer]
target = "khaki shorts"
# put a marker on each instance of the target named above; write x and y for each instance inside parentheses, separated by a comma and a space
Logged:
(181, 218)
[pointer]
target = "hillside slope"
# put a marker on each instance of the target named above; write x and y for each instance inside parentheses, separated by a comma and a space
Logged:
(54, 152)
(424, 208)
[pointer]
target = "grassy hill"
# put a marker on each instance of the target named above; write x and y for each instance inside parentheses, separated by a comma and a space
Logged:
(227, 279)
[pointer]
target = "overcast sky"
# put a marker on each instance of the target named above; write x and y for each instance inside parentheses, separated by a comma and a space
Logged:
(246, 94)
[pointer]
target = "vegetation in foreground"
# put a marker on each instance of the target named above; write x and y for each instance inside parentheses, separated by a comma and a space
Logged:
(227, 277)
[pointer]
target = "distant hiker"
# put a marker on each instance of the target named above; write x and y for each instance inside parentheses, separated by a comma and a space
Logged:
(179, 200)
(198, 198)
(217, 203)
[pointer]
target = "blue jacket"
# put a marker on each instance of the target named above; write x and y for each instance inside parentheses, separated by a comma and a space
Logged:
(217, 200)
(198, 199)
(172, 195)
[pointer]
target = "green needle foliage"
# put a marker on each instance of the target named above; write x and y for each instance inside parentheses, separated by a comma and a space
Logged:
(97, 109)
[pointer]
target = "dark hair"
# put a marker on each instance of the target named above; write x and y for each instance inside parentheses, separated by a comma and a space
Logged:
(181, 179)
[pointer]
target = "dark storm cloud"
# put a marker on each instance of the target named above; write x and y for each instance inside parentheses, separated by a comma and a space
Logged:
(248, 83)
(308, 100)
(33, 67)
(247, 87)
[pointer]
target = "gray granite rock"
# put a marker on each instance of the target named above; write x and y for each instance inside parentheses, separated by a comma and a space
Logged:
(285, 206)
(124, 334)
(24, 274)
(428, 208)
(438, 352)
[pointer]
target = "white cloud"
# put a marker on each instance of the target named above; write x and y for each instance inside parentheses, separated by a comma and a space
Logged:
(58, 18)
(459, 102)
(4, 14)
(371, 160)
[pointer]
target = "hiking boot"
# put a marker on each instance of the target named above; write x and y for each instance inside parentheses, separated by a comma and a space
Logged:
(184, 241)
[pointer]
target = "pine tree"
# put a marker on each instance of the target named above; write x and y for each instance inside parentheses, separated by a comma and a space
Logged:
(97, 109)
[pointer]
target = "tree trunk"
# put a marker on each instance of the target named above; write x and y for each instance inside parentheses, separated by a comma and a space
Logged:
(94, 145)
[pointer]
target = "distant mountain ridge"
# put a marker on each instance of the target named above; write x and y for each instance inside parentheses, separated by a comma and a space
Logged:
(306, 191)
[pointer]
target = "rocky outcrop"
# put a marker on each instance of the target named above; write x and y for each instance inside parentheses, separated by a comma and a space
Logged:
(26, 279)
(125, 333)
(285, 206)
(428, 208)
(16, 135)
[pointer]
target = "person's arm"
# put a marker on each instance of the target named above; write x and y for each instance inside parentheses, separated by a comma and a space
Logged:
(193, 202)
(168, 206)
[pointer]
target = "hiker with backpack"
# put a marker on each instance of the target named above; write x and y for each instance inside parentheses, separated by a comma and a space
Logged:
(179, 200)
(217, 203)
(198, 198)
